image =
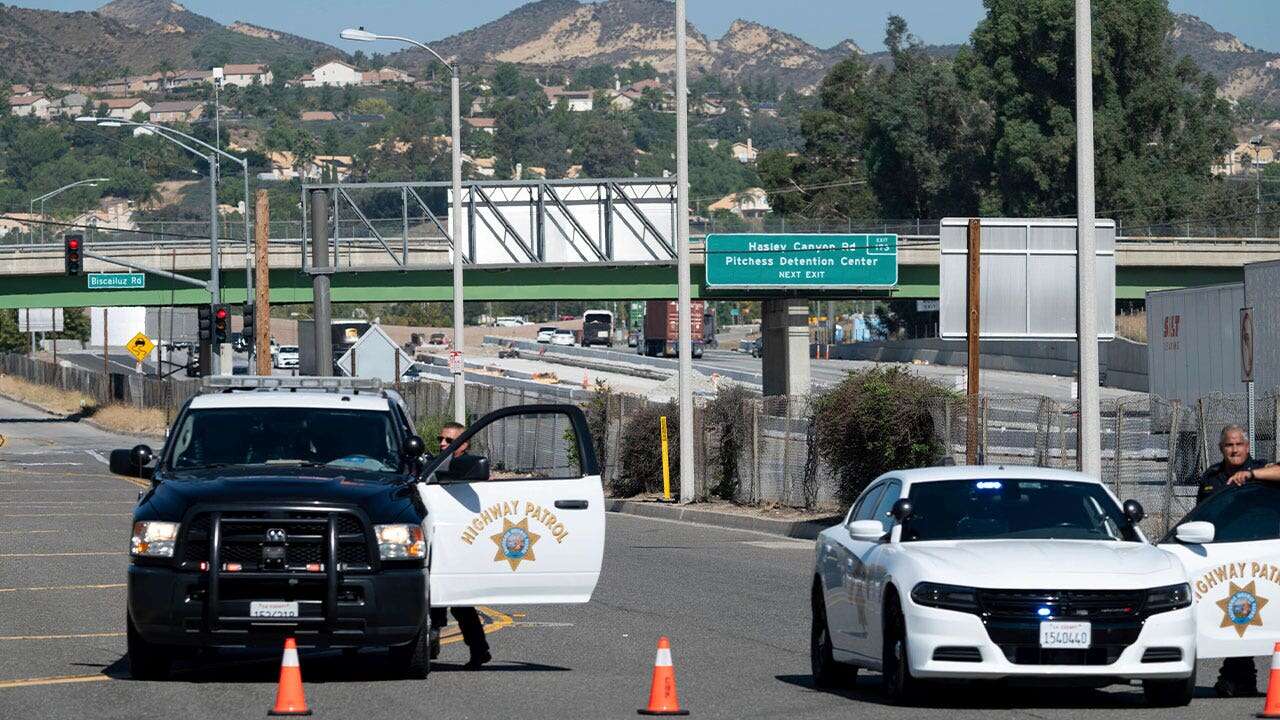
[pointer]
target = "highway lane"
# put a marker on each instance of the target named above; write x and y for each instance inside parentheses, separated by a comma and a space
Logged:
(733, 604)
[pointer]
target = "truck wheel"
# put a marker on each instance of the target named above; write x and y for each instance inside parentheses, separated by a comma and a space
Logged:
(414, 658)
(1169, 693)
(147, 660)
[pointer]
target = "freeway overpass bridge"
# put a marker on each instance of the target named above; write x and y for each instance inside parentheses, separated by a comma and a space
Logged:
(33, 274)
(525, 240)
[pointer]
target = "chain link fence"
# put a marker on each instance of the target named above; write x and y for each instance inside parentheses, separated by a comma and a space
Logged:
(761, 451)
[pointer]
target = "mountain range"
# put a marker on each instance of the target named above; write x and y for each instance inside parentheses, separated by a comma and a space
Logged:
(143, 35)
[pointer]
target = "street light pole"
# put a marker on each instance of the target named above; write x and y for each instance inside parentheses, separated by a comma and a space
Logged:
(91, 182)
(455, 91)
(1089, 432)
(684, 293)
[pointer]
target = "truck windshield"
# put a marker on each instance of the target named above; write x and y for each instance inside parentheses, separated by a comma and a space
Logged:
(1014, 509)
(348, 439)
(598, 318)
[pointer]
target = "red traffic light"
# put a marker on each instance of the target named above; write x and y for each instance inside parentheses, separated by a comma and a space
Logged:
(222, 313)
(73, 244)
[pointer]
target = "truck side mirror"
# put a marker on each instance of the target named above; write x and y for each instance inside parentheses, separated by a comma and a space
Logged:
(413, 448)
(132, 462)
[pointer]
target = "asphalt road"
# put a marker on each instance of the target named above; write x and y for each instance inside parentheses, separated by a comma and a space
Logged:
(733, 604)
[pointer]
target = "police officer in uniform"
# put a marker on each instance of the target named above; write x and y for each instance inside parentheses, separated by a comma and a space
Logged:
(467, 617)
(1238, 676)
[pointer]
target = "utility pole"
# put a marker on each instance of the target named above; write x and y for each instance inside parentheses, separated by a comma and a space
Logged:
(973, 311)
(684, 295)
(1089, 451)
(459, 318)
(321, 268)
(262, 289)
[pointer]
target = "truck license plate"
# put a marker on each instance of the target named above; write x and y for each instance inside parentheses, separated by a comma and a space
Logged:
(1073, 635)
(602, 333)
(273, 609)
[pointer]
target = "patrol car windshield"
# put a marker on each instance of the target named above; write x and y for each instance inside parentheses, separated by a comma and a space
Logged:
(1014, 510)
(1241, 514)
(359, 440)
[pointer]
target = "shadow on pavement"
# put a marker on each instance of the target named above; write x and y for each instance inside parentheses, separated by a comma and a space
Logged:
(992, 695)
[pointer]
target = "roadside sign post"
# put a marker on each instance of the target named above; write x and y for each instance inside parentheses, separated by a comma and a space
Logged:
(1246, 367)
(973, 313)
(139, 346)
(666, 461)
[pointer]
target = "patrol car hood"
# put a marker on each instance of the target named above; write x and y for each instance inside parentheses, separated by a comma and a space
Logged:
(306, 486)
(1071, 564)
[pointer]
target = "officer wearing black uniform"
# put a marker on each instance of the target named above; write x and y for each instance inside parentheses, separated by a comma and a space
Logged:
(1238, 676)
(467, 617)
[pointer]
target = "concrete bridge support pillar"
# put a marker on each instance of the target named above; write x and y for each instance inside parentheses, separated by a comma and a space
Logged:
(785, 328)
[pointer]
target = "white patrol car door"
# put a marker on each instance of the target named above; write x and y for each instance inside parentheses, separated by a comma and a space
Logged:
(530, 532)
(1235, 579)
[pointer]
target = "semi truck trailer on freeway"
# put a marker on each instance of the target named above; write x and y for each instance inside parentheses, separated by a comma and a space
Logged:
(662, 328)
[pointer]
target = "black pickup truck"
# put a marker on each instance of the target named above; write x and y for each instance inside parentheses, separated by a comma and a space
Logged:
(274, 514)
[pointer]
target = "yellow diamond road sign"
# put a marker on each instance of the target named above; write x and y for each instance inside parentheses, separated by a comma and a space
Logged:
(140, 346)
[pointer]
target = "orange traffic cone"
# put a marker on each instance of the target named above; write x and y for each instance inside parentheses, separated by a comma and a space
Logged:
(662, 691)
(586, 383)
(289, 697)
(1272, 708)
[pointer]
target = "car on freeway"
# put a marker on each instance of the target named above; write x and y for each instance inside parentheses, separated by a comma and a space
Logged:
(1230, 546)
(308, 508)
(287, 357)
(510, 321)
(438, 338)
(562, 337)
(545, 333)
(1000, 573)
(757, 347)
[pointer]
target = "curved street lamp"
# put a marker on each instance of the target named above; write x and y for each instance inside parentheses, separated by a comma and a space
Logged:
(459, 385)
(91, 182)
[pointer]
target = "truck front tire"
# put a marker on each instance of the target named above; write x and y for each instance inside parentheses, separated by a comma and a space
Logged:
(413, 660)
(147, 660)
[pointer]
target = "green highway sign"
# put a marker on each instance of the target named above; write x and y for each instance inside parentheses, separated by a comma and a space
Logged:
(802, 261)
(117, 281)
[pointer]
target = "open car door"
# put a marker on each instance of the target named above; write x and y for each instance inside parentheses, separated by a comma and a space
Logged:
(1235, 577)
(516, 517)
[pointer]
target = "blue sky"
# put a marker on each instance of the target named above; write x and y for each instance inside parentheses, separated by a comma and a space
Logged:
(822, 22)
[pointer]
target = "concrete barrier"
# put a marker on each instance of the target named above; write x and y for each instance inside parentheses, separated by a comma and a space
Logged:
(1124, 362)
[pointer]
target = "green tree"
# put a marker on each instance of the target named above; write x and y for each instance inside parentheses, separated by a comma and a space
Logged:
(610, 150)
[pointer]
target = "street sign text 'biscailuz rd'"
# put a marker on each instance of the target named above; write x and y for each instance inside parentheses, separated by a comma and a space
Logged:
(802, 261)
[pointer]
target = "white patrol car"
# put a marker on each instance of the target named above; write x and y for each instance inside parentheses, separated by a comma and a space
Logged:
(306, 507)
(1230, 545)
(999, 573)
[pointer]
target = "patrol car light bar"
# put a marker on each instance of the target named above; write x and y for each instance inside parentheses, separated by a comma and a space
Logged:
(221, 383)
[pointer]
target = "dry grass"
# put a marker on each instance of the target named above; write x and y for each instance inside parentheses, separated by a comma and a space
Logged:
(1132, 326)
(50, 399)
(124, 419)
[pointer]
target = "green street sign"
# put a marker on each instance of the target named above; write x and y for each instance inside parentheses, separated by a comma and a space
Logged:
(802, 261)
(117, 281)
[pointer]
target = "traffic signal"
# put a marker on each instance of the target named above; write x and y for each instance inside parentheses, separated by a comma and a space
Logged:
(204, 324)
(247, 334)
(221, 324)
(73, 247)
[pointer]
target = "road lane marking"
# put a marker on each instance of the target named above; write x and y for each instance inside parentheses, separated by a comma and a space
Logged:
(62, 554)
(104, 586)
(28, 515)
(41, 464)
(97, 456)
(28, 532)
(780, 544)
(69, 502)
(74, 636)
(56, 680)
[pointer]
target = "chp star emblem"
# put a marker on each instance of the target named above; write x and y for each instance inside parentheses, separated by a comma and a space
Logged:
(1241, 608)
(515, 543)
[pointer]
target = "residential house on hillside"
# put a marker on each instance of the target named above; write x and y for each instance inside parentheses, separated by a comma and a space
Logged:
(246, 75)
(338, 167)
(318, 116)
(183, 79)
(1243, 157)
(744, 152)
(125, 108)
(112, 212)
(485, 124)
(575, 100)
(177, 111)
(29, 106)
(482, 104)
(17, 223)
(20, 90)
(334, 73)
(131, 85)
(752, 203)
(284, 166)
(71, 105)
(484, 167)
(384, 76)
(711, 107)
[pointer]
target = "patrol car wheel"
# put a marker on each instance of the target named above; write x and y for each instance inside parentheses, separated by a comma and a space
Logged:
(1169, 693)
(414, 658)
(147, 661)
(899, 686)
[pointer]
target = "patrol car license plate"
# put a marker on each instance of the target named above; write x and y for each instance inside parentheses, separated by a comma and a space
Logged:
(273, 609)
(1072, 635)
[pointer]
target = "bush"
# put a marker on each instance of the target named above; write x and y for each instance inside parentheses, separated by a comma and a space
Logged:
(728, 419)
(597, 411)
(875, 421)
(640, 461)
